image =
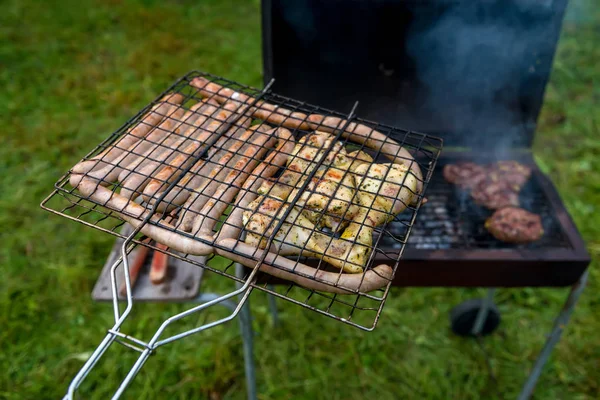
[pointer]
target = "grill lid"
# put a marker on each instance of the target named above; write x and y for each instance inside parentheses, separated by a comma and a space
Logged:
(473, 73)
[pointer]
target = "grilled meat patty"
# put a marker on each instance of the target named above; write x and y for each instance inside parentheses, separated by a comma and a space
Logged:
(494, 186)
(515, 225)
(510, 171)
(464, 174)
(495, 194)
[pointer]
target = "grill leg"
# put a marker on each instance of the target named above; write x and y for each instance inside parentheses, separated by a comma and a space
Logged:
(483, 312)
(273, 307)
(248, 341)
(559, 325)
(475, 317)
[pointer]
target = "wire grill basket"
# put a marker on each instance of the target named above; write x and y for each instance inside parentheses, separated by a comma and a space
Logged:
(223, 175)
(219, 169)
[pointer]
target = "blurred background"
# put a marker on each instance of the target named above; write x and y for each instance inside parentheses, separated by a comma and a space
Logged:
(71, 72)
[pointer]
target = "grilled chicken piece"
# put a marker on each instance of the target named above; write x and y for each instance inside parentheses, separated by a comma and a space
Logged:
(297, 235)
(383, 190)
(308, 151)
(328, 201)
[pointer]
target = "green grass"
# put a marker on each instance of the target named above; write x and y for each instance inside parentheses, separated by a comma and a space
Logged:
(71, 73)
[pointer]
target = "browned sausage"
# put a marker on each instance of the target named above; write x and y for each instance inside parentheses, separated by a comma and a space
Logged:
(110, 172)
(157, 114)
(301, 274)
(265, 111)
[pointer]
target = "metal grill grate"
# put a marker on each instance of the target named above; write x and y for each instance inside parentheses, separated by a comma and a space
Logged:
(451, 220)
(214, 142)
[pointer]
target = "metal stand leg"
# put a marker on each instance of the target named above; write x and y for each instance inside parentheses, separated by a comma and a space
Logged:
(483, 312)
(559, 325)
(247, 337)
(273, 307)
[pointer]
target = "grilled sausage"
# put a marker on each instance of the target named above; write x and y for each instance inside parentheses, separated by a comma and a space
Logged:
(262, 110)
(183, 160)
(285, 146)
(157, 114)
(202, 194)
(226, 191)
(134, 214)
(110, 173)
(302, 274)
(137, 174)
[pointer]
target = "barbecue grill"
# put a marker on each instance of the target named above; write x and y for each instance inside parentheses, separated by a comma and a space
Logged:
(446, 245)
(97, 201)
(472, 73)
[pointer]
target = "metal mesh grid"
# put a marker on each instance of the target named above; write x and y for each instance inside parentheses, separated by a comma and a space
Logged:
(213, 153)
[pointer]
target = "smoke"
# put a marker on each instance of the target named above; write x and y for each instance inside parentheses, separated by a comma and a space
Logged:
(581, 12)
(479, 63)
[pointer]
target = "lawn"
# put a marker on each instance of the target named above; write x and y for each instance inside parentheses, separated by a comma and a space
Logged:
(71, 73)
